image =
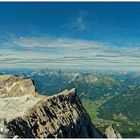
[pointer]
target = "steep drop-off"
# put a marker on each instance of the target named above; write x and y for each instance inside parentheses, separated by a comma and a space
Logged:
(26, 114)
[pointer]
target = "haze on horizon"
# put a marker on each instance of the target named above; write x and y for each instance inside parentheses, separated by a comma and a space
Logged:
(75, 35)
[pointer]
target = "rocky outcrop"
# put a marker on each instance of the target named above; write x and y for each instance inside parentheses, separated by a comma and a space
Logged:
(12, 86)
(17, 95)
(26, 114)
(111, 132)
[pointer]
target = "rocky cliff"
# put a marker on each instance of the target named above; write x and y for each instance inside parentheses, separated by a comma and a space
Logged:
(26, 114)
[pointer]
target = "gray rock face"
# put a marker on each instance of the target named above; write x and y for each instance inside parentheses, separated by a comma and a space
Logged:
(17, 95)
(11, 86)
(112, 133)
(59, 116)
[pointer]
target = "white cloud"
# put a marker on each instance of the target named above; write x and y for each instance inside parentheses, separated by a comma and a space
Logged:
(78, 23)
(41, 52)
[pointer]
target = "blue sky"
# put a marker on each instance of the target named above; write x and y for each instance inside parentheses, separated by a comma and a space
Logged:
(89, 35)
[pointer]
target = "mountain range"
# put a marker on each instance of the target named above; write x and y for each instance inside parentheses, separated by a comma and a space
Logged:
(110, 98)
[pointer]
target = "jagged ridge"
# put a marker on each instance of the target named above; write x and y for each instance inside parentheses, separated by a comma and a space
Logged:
(61, 116)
